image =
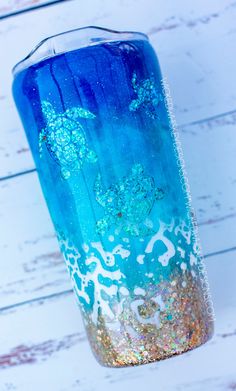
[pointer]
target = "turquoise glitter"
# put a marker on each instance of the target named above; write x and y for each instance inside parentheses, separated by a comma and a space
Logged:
(128, 203)
(64, 138)
(123, 215)
(148, 96)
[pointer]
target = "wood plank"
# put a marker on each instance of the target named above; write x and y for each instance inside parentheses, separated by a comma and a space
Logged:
(12, 7)
(40, 338)
(45, 335)
(182, 33)
(33, 265)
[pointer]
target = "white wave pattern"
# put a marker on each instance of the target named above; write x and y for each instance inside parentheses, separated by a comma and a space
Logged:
(95, 270)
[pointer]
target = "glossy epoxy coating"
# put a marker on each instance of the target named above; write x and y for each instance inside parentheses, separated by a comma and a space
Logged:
(97, 123)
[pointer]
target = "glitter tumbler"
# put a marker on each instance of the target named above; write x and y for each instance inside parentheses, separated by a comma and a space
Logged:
(96, 114)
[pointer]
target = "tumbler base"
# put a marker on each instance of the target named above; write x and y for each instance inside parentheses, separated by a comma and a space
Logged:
(129, 362)
(138, 337)
(135, 358)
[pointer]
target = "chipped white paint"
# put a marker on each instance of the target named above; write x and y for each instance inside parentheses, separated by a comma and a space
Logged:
(203, 85)
(10, 6)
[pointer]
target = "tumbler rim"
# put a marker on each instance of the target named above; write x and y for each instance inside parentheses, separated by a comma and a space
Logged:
(54, 45)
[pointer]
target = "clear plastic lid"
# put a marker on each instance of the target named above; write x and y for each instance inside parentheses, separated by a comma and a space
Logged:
(72, 40)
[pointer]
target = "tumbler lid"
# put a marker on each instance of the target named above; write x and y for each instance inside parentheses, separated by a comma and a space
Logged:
(73, 40)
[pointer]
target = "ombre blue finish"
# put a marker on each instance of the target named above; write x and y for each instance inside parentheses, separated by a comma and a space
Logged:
(97, 123)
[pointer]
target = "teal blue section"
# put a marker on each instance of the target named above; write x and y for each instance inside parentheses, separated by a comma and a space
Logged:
(98, 127)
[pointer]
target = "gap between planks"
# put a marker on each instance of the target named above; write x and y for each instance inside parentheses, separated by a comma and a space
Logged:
(70, 291)
(25, 9)
(180, 127)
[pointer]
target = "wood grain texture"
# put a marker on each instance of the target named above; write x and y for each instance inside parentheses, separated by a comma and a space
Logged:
(33, 265)
(11, 7)
(199, 62)
(42, 341)
(39, 338)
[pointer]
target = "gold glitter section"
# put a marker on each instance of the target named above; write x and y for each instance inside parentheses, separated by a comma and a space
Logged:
(182, 325)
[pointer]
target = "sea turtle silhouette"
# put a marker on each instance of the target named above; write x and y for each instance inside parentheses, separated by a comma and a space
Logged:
(64, 138)
(148, 96)
(128, 203)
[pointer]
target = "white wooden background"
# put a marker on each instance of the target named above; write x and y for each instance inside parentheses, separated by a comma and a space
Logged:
(42, 342)
(10, 7)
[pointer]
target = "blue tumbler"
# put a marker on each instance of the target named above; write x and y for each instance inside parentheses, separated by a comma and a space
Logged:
(95, 111)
